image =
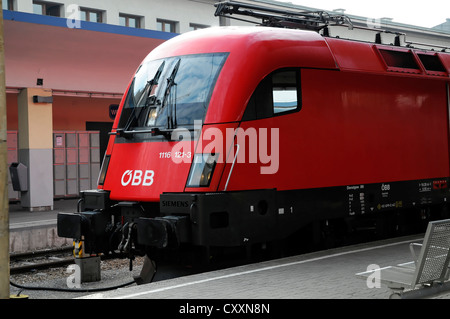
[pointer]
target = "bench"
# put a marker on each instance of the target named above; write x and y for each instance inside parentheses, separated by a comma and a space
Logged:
(428, 269)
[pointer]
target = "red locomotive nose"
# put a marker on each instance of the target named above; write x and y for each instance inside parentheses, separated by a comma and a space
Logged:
(145, 176)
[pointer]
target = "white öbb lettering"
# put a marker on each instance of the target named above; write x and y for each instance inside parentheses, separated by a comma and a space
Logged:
(137, 177)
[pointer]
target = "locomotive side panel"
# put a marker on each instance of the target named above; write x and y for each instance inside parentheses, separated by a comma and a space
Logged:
(359, 145)
(374, 129)
(356, 128)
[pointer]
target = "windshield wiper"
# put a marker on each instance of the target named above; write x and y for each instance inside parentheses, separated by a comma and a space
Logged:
(171, 114)
(124, 132)
(171, 117)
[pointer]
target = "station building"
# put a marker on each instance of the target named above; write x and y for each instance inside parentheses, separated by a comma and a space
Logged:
(68, 63)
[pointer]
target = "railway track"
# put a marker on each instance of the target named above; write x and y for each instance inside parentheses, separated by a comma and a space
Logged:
(54, 258)
(44, 274)
(42, 259)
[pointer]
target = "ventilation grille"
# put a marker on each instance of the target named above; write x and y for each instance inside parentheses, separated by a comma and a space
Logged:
(400, 61)
(432, 64)
(409, 61)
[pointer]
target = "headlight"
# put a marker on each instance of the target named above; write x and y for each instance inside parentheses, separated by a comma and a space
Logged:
(151, 117)
(202, 170)
(101, 177)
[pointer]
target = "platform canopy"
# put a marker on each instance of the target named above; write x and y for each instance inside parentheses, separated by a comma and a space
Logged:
(91, 57)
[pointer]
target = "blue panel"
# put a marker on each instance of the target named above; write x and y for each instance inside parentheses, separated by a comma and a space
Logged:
(85, 25)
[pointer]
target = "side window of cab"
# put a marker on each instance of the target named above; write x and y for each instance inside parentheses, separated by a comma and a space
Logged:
(277, 94)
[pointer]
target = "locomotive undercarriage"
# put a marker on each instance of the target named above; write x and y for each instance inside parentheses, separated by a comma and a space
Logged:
(312, 218)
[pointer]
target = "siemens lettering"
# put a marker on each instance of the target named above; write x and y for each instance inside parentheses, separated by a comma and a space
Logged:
(174, 203)
(137, 177)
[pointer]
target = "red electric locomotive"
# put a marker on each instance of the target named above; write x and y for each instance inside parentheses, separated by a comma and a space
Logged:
(241, 135)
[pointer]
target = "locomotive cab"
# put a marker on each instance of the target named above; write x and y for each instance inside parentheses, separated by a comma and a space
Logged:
(167, 176)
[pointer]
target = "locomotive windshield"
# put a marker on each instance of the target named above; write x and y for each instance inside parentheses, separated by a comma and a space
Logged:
(171, 92)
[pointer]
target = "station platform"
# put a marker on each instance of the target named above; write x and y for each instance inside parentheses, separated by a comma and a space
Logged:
(29, 231)
(328, 274)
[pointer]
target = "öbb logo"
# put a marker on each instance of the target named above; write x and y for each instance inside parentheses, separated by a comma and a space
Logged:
(137, 177)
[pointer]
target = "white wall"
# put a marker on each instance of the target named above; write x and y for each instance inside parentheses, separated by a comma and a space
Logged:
(202, 12)
(182, 11)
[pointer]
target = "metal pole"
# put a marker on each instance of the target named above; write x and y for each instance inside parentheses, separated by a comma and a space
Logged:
(4, 201)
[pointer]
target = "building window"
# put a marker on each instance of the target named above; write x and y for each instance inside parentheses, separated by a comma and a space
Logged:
(47, 8)
(166, 25)
(8, 4)
(91, 15)
(195, 26)
(127, 20)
